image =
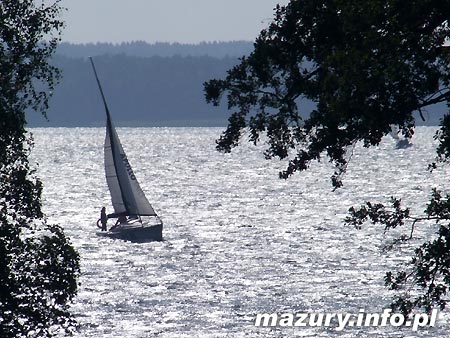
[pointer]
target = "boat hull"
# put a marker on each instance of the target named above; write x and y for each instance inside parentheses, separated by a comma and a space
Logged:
(135, 233)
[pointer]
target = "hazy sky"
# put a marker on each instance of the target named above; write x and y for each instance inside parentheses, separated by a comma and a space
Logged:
(185, 21)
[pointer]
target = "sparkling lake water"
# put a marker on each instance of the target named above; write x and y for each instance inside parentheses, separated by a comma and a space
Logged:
(237, 240)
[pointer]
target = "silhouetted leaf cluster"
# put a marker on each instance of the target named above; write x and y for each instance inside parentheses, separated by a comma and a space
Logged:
(443, 137)
(378, 213)
(425, 282)
(425, 285)
(38, 265)
(367, 66)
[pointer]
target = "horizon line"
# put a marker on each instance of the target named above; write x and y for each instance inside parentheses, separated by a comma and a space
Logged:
(155, 42)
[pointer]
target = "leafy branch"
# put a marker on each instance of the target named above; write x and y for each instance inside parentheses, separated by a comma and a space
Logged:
(424, 282)
(363, 77)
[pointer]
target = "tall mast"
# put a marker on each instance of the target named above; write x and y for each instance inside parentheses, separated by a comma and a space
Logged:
(110, 129)
(101, 90)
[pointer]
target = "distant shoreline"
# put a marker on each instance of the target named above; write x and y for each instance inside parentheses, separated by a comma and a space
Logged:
(154, 85)
(163, 49)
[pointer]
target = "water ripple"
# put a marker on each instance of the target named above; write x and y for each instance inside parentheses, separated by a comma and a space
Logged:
(238, 241)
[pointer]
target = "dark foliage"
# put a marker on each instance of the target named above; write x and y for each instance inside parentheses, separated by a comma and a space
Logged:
(38, 266)
(424, 283)
(378, 213)
(367, 66)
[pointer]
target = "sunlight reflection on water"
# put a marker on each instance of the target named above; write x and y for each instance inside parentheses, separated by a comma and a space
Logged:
(238, 240)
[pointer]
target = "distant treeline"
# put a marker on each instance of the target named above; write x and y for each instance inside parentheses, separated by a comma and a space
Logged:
(141, 48)
(140, 91)
(147, 85)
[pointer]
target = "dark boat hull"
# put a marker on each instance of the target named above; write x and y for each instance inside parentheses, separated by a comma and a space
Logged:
(135, 232)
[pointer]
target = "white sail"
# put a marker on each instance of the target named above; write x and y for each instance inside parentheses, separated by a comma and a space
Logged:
(111, 177)
(126, 194)
(127, 197)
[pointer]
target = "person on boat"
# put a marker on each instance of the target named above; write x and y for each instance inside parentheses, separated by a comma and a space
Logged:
(103, 218)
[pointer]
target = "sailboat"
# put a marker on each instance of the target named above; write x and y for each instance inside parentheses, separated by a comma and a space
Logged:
(136, 218)
(402, 142)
